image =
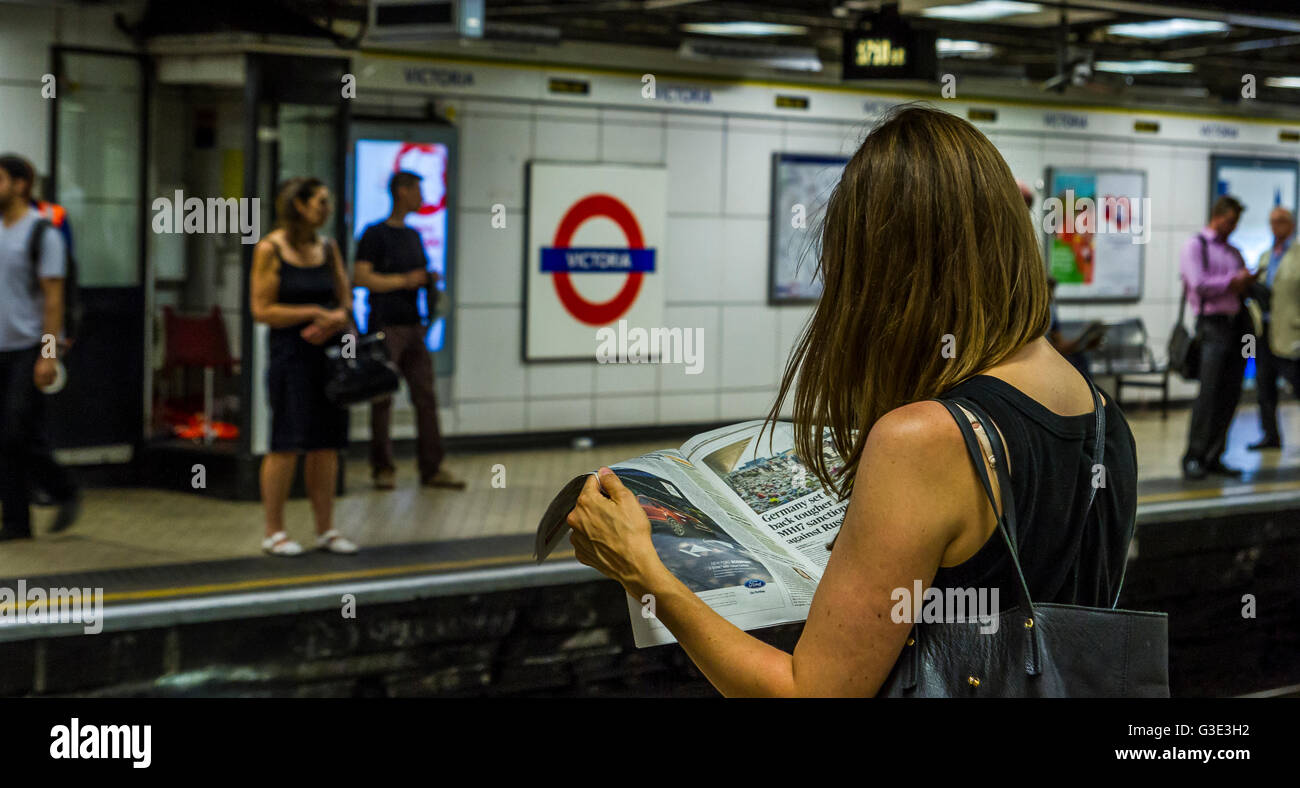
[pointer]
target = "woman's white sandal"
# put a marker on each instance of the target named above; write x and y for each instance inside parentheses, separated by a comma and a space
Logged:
(279, 543)
(332, 541)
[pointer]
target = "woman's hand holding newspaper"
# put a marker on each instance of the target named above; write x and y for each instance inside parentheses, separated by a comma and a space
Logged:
(611, 534)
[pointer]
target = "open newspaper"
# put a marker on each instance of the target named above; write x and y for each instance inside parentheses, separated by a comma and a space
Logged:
(737, 518)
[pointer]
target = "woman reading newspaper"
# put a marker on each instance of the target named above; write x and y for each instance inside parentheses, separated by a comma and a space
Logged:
(933, 285)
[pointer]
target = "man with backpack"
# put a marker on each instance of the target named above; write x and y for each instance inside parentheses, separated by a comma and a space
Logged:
(56, 215)
(32, 272)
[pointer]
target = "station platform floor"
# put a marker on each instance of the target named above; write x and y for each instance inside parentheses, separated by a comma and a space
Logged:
(163, 557)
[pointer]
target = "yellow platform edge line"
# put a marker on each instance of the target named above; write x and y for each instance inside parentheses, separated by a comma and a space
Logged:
(1219, 492)
(364, 574)
(359, 574)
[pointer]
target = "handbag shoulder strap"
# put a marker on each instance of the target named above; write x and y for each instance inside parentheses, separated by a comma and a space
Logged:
(1182, 305)
(1006, 518)
(1099, 442)
(1205, 266)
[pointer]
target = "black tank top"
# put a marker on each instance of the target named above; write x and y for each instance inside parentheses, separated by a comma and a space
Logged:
(300, 285)
(1067, 557)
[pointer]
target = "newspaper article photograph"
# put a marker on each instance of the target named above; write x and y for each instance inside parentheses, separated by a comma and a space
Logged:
(734, 515)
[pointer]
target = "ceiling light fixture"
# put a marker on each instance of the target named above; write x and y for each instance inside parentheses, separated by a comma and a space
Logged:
(1142, 67)
(981, 10)
(743, 29)
(948, 47)
(1168, 28)
(785, 58)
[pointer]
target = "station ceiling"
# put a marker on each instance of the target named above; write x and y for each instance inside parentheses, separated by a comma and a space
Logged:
(1040, 45)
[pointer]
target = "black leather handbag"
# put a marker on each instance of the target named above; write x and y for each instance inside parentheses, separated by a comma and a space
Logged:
(1184, 346)
(1184, 352)
(1038, 650)
(361, 374)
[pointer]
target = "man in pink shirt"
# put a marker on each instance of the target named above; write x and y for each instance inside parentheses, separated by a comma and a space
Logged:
(1215, 277)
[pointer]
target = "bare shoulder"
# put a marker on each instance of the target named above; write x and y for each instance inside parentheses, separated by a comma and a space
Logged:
(266, 249)
(913, 450)
(910, 477)
(920, 430)
(336, 254)
(266, 264)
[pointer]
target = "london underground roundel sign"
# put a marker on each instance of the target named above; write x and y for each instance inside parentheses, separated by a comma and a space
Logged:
(595, 240)
(563, 257)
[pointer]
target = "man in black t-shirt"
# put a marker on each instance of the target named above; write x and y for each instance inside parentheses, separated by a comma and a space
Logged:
(391, 264)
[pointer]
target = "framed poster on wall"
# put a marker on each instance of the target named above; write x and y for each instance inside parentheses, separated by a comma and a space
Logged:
(801, 187)
(1096, 225)
(595, 241)
(379, 149)
(1260, 185)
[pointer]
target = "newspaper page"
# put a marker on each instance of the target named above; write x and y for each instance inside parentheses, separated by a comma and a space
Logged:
(709, 544)
(780, 495)
(743, 525)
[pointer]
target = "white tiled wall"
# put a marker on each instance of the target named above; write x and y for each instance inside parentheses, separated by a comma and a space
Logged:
(26, 34)
(715, 261)
(715, 266)
(1177, 182)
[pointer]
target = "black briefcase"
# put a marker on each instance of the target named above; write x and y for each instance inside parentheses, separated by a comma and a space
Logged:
(1038, 650)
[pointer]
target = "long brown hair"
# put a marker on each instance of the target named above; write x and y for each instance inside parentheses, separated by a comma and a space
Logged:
(931, 273)
(287, 215)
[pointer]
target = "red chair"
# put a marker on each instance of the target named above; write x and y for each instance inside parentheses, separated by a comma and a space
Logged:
(198, 341)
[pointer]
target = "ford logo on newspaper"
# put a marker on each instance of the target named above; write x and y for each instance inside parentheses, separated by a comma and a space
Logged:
(754, 584)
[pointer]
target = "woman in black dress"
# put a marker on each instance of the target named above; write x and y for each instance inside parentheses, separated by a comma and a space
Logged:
(300, 290)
